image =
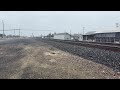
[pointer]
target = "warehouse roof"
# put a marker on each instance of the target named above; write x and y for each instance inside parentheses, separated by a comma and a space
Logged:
(103, 31)
(109, 31)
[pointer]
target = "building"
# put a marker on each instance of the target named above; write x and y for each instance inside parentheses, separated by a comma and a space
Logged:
(62, 36)
(108, 36)
(77, 37)
(89, 36)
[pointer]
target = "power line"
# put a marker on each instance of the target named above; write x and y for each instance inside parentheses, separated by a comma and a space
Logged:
(25, 30)
(35, 30)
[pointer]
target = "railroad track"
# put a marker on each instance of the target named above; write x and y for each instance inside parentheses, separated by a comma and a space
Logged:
(105, 46)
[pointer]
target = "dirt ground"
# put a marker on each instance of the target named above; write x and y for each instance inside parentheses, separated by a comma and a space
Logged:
(34, 59)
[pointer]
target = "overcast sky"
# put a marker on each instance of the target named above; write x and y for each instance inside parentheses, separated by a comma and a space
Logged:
(57, 21)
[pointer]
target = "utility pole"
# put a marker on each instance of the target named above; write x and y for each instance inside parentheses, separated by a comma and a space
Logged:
(3, 28)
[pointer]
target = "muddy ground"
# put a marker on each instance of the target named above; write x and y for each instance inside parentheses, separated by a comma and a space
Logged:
(33, 59)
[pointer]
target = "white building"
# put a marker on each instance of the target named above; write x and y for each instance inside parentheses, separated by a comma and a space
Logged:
(62, 36)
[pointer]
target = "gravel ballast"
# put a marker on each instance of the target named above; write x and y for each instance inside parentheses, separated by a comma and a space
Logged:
(106, 57)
